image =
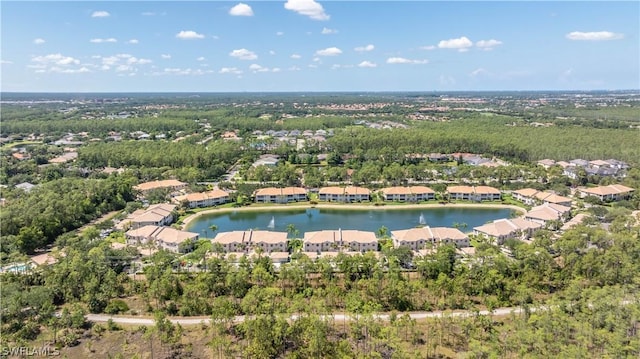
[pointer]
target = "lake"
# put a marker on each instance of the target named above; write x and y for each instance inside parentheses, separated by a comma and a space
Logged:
(316, 219)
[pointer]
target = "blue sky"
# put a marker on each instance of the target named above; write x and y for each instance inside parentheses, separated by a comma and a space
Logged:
(307, 45)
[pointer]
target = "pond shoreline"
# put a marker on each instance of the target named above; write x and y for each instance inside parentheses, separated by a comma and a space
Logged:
(349, 206)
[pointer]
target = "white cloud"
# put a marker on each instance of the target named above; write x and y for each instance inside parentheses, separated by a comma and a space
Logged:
(56, 59)
(188, 35)
(257, 68)
(296, 56)
(402, 60)
(148, 13)
(367, 64)
(447, 80)
(316, 59)
(478, 72)
(100, 14)
(307, 8)
(327, 31)
(180, 71)
(488, 44)
(241, 10)
(365, 48)
(99, 41)
(294, 68)
(330, 51)
(271, 52)
(122, 62)
(279, 33)
(38, 41)
(201, 58)
(6, 62)
(275, 69)
(459, 43)
(243, 54)
(165, 56)
(429, 47)
(313, 66)
(594, 36)
(230, 70)
(565, 76)
(133, 41)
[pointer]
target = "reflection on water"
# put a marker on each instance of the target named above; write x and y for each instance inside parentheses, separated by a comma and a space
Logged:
(316, 219)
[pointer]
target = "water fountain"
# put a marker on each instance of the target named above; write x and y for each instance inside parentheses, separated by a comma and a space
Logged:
(421, 220)
(272, 223)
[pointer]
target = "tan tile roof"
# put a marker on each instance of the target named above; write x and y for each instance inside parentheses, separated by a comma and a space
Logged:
(526, 192)
(406, 190)
(331, 190)
(272, 191)
(356, 190)
(146, 186)
(506, 227)
(607, 190)
(347, 236)
(552, 197)
(460, 189)
(486, 189)
(164, 234)
(428, 233)
(250, 236)
(202, 196)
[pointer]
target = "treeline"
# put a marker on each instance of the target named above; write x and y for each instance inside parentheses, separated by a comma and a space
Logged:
(95, 127)
(56, 207)
(495, 137)
(210, 160)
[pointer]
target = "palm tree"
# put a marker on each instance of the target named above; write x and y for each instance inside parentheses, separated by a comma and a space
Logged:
(213, 228)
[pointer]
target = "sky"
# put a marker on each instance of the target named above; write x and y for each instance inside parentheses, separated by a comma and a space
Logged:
(308, 45)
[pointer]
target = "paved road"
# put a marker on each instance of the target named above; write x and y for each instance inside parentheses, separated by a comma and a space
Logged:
(337, 317)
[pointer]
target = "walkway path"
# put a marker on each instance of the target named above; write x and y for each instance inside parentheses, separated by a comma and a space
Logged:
(336, 317)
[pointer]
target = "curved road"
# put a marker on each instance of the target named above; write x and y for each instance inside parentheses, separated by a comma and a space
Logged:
(337, 317)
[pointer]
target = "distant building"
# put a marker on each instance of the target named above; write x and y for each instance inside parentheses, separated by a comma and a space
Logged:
(419, 238)
(503, 229)
(171, 184)
(25, 186)
(408, 194)
(280, 195)
(340, 240)
(548, 212)
(614, 192)
(344, 194)
(168, 238)
(203, 199)
(161, 214)
(477, 193)
(246, 241)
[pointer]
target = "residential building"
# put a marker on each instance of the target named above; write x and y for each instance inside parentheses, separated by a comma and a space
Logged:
(525, 195)
(408, 194)
(477, 193)
(419, 238)
(507, 228)
(346, 194)
(161, 214)
(532, 197)
(171, 184)
(245, 241)
(339, 240)
(548, 212)
(168, 238)
(280, 195)
(203, 199)
(614, 192)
